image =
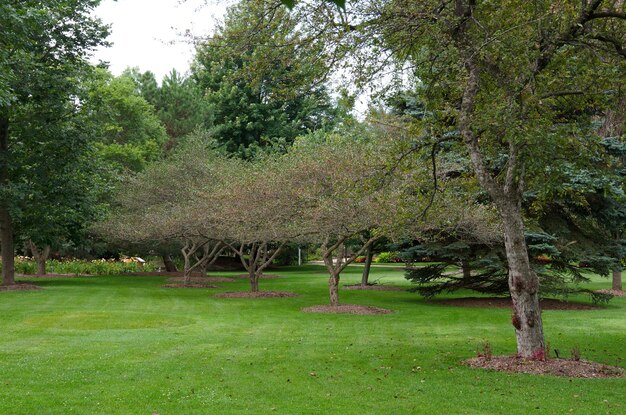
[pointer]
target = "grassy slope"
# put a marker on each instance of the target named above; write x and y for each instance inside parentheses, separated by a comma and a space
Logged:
(117, 345)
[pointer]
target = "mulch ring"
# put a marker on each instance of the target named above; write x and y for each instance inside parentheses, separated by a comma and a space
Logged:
(262, 276)
(373, 287)
(616, 293)
(346, 309)
(161, 274)
(192, 285)
(20, 287)
(555, 367)
(504, 302)
(202, 280)
(256, 294)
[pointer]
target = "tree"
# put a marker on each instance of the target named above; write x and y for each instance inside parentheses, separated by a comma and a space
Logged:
(346, 195)
(256, 207)
(169, 202)
(130, 135)
(263, 80)
(178, 101)
(43, 52)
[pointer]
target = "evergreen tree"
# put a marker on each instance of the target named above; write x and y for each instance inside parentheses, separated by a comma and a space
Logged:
(263, 81)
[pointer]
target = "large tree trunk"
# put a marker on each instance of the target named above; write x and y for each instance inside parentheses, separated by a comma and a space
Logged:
(333, 288)
(523, 282)
(170, 266)
(369, 256)
(6, 222)
(617, 279)
(523, 285)
(40, 257)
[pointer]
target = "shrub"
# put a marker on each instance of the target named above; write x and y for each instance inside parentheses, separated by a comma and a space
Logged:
(385, 257)
(25, 265)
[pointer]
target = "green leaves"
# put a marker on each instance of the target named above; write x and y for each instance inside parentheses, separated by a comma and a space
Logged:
(262, 80)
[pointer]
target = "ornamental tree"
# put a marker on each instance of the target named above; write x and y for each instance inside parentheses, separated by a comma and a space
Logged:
(256, 206)
(346, 195)
(170, 202)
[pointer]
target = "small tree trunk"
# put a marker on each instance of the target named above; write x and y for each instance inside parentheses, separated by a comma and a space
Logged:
(369, 256)
(254, 280)
(523, 285)
(333, 287)
(170, 266)
(617, 279)
(187, 266)
(467, 271)
(6, 222)
(41, 261)
(6, 241)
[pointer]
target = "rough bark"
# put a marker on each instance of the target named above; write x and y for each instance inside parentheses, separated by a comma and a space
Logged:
(369, 256)
(617, 279)
(523, 282)
(170, 266)
(523, 285)
(6, 222)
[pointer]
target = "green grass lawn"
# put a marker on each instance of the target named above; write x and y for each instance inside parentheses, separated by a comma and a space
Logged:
(124, 345)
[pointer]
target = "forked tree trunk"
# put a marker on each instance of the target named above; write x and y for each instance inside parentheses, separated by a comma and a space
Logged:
(369, 256)
(6, 222)
(523, 285)
(170, 266)
(333, 288)
(617, 279)
(40, 257)
(188, 250)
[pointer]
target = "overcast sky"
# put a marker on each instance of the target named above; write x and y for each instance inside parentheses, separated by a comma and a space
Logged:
(147, 33)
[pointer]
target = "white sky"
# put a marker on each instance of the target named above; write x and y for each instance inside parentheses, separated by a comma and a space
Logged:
(147, 33)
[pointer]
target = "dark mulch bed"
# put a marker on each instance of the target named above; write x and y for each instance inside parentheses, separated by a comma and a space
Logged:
(616, 293)
(373, 287)
(258, 294)
(162, 274)
(346, 309)
(262, 276)
(192, 285)
(20, 287)
(555, 367)
(490, 302)
(202, 279)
